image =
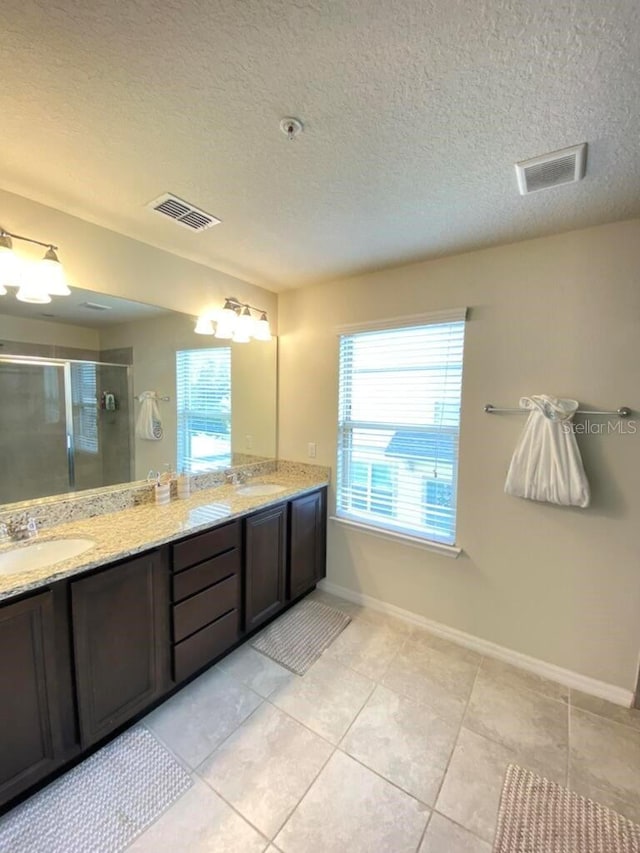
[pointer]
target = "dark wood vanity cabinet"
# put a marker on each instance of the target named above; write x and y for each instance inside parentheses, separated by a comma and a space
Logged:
(265, 559)
(121, 643)
(307, 542)
(205, 598)
(30, 731)
(83, 658)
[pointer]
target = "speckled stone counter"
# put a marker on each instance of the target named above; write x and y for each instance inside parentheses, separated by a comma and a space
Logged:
(130, 531)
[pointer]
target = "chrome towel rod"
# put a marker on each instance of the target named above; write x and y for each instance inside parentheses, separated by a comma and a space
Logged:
(622, 412)
(156, 397)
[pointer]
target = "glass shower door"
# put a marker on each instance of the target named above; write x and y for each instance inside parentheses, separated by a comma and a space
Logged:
(100, 438)
(34, 458)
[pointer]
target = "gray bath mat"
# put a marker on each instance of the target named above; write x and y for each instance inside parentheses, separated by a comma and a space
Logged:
(297, 639)
(538, 816)
(102, 804)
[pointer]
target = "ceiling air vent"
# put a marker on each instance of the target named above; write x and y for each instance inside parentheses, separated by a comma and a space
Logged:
(552, 170)
(183, 213)
(94, 306)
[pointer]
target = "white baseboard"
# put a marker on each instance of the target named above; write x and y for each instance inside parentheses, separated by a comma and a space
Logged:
(617, 695)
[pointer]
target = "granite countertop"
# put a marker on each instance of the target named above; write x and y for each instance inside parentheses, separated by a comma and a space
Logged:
(131, 531)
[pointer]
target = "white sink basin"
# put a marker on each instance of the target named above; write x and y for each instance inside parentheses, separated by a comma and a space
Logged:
(258, 489)
(40, 554)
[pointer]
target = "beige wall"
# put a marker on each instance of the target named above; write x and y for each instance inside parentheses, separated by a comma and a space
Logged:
(559, 315)
(25, 330)
(253, 384)
(106, 262)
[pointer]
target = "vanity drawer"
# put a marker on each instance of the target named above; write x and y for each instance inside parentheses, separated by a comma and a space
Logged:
(205, 545)
(200, 649)
(190, 581)
(200, 609)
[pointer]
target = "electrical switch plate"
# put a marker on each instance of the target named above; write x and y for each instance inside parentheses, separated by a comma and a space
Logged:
(311, 450)
(248, 442)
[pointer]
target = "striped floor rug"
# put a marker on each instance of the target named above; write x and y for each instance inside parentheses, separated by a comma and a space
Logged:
(101, 805)
(297, 639)
(539, 816)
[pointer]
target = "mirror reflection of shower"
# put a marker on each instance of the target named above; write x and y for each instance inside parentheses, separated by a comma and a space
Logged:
(64, 426)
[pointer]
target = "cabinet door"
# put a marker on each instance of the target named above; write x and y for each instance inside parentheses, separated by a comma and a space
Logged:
(121, 643)
(307, 538)
(265, 564)
(29, 719)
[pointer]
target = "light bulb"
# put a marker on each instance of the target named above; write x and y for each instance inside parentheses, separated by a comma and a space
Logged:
(9, 264)
(51, 274)
(240, 337)
(261, 329)
(244, 328)
(33, 292)
(229, 312)
(224, 329)
(204, 326)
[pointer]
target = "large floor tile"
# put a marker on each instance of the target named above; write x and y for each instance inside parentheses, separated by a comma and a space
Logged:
(326, 699)
(536, 727)
(605, 754)
(403, 741)
(436, 678)
(199, 822)
(198, 718)
(615, 713)
(266, 766)
(423, 637)
(365, 647)
(444, 836)
(255, 670)
(349, 808)
(607, 798)
(471, 790)
(512, 676)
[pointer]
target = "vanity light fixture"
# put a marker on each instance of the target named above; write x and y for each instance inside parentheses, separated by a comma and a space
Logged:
(204, 326)
(235, 322)
(36, 282)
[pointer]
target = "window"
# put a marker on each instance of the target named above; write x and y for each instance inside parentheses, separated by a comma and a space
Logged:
(204, 408)
(398, 427)
(372, 487)
(84, 405)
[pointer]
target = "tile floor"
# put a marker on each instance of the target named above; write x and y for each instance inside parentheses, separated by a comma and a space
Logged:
(394, 741)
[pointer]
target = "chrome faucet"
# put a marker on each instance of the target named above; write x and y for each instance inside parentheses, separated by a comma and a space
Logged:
(236, 478)
(25, 527)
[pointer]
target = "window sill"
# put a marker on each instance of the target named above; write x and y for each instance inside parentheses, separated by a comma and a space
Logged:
(452, 551)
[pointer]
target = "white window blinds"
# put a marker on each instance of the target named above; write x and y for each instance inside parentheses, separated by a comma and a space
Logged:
(203, 396)
(84, 402)
(399, 420)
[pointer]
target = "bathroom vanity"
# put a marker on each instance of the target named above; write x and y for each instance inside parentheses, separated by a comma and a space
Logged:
(88, 649)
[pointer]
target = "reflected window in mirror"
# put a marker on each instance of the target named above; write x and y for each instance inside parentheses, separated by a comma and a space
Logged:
(203, 394)
(84, 402)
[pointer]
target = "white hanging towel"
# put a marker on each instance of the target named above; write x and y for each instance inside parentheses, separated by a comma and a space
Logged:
(149, 424)
(546, 464)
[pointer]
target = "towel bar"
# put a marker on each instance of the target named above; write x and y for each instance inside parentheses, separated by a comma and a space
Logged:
(622, 412)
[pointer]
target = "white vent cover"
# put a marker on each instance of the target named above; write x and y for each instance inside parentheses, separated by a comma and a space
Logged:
(552, 170)
(183, 213)
(95, 306)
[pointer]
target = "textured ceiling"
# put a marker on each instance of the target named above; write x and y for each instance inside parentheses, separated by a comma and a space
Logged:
(414, 112)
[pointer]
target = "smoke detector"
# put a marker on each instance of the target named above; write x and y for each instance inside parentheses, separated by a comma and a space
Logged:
(291, 127)
(183, 212)
(552, 170)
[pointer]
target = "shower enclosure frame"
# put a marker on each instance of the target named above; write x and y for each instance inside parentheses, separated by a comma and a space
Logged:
(65, 363)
